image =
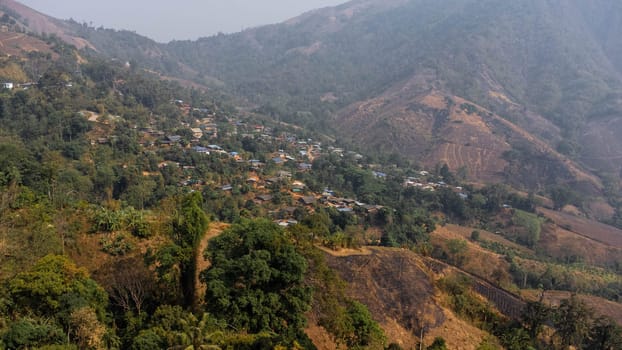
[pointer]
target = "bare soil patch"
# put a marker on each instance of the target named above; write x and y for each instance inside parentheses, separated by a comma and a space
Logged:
(215, 229)
(586, 227)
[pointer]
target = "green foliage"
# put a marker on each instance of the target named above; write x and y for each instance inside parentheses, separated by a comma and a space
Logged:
(475, 235)
(255, 281)
(605, 333)
(116, 245)
(191, 222)
(532, 225)
(488, 344)
(27, 333)
(54, 287)
(365, 333)
(457, 249)
(572, 321)
(534, 317)
(563, 195)
(437, 344)
(465, 304)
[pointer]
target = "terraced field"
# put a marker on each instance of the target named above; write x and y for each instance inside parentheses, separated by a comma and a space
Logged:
(585, 227)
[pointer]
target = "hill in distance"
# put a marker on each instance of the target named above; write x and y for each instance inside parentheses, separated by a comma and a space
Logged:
(548, 67)
(548, 71)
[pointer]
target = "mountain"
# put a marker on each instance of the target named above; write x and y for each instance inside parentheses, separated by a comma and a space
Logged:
(539, 82)
(548, 67)
(122, 45)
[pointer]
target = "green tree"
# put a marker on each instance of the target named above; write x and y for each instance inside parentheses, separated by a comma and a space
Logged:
(457, 249)
(176, 262)
(534, 316)
(255, 281)
(54, 288)
(605, 334)
(437, 344)
(365, 331)
(572, 321)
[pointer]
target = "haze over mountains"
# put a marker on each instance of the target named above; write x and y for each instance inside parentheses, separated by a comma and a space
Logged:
(502, 90)
(354, 177)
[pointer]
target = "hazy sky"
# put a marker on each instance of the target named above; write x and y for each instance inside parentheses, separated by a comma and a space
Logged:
(177, 19)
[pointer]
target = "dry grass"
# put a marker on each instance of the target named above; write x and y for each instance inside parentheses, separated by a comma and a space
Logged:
(585, 227)
(599, 305)
(215, 229)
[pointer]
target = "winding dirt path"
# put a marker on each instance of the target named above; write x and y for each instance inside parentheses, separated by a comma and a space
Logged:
(214, 230)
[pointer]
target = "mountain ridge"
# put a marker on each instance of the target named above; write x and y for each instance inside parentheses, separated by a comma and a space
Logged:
(547, 67)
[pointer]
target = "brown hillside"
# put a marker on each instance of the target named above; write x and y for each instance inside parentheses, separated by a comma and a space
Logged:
(602, 146)
(599, 305)
(18, 44)
(37, 22)
(431, 127)
(398, 289)
(585, 227)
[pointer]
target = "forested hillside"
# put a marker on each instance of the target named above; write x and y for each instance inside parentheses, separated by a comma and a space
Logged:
(529, 61)
(145, 212)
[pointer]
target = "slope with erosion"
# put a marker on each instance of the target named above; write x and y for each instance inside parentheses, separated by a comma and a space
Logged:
(522, 60)
(20, 45)
(39, 23)
(549, 67)
(398, 288)
(434, 127)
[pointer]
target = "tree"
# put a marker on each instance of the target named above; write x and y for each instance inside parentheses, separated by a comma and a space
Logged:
(437, 344)
(572, 321)
(55, 287)
(605, 334)
(365, 331)
(177, 260)
(255, 281)
(534, 316)
(86, 329)
(199, 334)
(457, 249)
(475, 234)
(27, 333)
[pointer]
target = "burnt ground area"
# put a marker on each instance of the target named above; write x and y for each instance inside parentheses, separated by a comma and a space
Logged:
(393, 284)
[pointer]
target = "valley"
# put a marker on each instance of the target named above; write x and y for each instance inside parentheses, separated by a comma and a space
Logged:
(375, 175)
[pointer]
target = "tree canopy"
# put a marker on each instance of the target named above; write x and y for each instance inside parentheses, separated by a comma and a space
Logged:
(255, 281)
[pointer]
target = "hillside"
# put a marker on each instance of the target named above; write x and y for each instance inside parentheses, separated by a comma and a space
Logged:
(559, 80)
(558, 83)
(141, 211)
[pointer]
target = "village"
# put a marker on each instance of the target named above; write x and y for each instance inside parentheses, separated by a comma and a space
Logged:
(271, 176)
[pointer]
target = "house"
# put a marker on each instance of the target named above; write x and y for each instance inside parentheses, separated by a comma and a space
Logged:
(264, 198)
(252, 180)
(173, 138)
(379, 175)
(226, 188)
(8, 86)
(256, 164)
(307, 200)
(372, 208)
(328, 192)
(278, 160)
(201, 149)
(305, 166)
(284, 174)
(196, 133)
(273, 180)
